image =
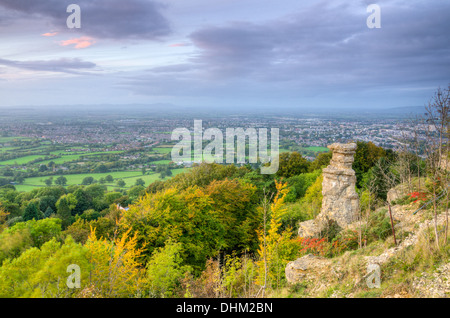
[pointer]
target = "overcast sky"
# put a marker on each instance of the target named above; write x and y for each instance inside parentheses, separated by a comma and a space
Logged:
(225, 53)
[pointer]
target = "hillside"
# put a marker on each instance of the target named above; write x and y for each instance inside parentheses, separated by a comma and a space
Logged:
(414, 267)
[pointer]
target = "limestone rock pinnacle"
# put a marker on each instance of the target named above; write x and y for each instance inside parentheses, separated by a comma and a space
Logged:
(340, 201)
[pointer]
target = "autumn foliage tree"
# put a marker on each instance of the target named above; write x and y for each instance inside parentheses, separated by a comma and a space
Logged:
(115, 265)
(186, 216)
(275, 248)
(236, 203)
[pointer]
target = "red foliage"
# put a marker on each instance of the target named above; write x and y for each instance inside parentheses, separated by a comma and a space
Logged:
(313, 246)
(321, 247)
(418, 196)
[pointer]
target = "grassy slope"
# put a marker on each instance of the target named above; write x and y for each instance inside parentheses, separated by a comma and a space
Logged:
(399, 275)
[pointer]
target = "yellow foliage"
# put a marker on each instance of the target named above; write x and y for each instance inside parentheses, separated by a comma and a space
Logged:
(116, 270)
(3, 215)
(271, 244)
(312, 201)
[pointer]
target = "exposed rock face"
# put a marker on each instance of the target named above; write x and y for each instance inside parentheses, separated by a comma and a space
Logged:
(340, 201)
(397, 192)
(308, 269)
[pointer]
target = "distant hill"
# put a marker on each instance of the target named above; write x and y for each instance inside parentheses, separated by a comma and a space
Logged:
(168, 109)
(419, 110)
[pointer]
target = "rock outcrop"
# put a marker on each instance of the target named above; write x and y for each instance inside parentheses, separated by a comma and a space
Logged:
(308, 269)
(340, 201)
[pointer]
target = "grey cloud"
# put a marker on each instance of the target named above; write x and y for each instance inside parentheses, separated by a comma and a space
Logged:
(63, 65)
(112, 19)
(332, 45)
(318, 53)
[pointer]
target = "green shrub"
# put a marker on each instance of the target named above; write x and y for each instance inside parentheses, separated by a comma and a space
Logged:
(378, 226)
(164, 270)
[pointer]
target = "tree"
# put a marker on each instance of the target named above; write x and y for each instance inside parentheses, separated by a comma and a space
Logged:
(187, 216)
(111, 197)
(139, 182)
(3, 216)
(64, 207)
(61, 180)
(312, 201)
(83, 201)
(101, 168)
(42, 272)
(42, 168)
(380, 178)
(366, 156)
(4, 181)
(116, 270)
(437, 147)
(8, 172)
(31, 212)
(49, 212)
(46, 201)
(121, 183)
(42, 231)
(291, 164)
(96, 191)
(322, 160)
(273, 246)
(109, 178)
(135, 192)
(235, 202)
(20, 179)
(87, 180)
(51, 165)
(48, 182)
(164, 270)
(298, 185)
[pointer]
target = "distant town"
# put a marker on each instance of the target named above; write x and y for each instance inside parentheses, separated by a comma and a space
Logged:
(132, 131)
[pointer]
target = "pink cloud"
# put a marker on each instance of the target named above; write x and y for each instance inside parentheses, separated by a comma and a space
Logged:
(80, 43)
(50, 34)
(179, 44)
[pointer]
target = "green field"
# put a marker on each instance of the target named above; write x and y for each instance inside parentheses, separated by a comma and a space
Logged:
(63, 159)
(161, 162)
(21, 160)
(129, 177)
(5, 149)
(317, 149)
(162, 150)
(15, 138)
(73, 157)
(150, 178)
